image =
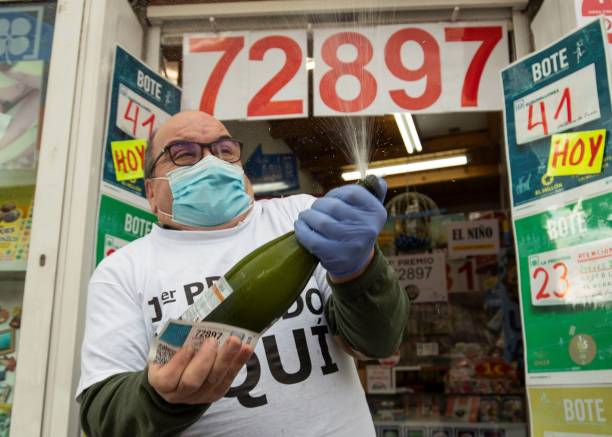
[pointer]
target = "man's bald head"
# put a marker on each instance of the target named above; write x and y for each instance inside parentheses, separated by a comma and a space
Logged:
(194, 126)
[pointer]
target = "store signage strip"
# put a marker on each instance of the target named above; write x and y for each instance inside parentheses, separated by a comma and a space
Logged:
(361, 71)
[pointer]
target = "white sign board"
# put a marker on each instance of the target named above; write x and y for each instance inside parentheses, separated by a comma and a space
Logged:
(422, 276)
(574, 275)
(433, 67)
(436, 67)
(562, 105)
(473, 237)
(380, 379)
(238, 75)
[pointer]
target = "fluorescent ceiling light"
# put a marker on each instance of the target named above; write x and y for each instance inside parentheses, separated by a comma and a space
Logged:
(310, 63)
(410, 167)
(408, 131)
(270, 187)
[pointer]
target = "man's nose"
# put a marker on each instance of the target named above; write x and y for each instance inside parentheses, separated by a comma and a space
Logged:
(206, 151)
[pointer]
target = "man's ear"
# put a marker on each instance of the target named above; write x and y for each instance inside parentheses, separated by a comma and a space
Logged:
(150, 192)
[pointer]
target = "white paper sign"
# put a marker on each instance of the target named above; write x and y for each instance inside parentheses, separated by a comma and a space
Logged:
(562, 105)
(136, 116)
(357, 71)
(278, 79)
(461, 275)
(215, 74)
(380, 379)
(417, 68)
(238, 75)
(474, 237)
(574, 275)
(422, 276)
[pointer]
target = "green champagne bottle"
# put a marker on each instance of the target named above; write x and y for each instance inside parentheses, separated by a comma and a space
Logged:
(262, 286)
(265, 284)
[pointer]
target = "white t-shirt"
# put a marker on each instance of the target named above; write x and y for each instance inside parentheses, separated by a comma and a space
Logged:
(298, 382)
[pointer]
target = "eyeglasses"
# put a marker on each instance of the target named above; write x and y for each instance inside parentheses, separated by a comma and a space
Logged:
(186, 153)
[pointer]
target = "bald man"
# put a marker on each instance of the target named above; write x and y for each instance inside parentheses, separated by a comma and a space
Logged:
(301, 379)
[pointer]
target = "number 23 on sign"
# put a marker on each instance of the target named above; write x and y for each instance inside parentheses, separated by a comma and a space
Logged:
(550, 284)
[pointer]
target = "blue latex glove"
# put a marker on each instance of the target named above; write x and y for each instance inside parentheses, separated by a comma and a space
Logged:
(341, 228)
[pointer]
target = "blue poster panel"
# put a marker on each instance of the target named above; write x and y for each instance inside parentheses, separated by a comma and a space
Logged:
(140, 101)
(559, 90)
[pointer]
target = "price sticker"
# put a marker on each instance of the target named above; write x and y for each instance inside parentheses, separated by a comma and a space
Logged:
(136, 116)
(564, 104)
(573, 275)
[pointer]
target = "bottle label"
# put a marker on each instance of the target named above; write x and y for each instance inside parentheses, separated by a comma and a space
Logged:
(179, 333)
(211, 298)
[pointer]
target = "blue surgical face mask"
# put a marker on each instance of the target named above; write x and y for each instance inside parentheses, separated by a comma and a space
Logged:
(208, 193)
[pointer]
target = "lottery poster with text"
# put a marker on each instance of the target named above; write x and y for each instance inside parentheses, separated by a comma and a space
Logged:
(118, 224)
(584, 411)
(557, 141)
(364, 70)
(558, 117)
(140, 101)
(565, 268)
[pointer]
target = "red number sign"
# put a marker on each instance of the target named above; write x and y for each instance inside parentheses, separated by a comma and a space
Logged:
(238, 75)
(417, 68)
(548, 289)
(365, 71)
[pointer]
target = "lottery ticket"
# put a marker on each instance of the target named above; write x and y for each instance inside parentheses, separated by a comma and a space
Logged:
(178, 333)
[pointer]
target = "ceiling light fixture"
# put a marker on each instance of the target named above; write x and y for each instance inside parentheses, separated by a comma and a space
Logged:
(269, 187)
(408, 131)
(410, 167)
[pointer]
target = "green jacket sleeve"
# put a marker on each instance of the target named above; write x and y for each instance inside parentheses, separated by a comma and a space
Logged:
(371, 311)
(125, 404)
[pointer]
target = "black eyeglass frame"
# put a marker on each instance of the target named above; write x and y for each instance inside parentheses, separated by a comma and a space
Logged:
(202, 146)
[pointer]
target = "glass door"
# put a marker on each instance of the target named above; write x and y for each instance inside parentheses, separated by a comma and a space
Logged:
(26, 33)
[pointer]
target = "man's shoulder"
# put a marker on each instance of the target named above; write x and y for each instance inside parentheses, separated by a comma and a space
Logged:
(293, 204)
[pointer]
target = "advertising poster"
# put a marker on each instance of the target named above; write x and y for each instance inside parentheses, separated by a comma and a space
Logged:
(422, 276)
(118, 224)
(15, 224)
(26, 33)
(559, 90)
(272, 173)
(571, 411)
(140, 101)
(558, 119)
(473, 237)
(565, 264)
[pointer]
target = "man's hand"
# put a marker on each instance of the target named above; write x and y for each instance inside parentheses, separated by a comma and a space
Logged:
(202, 377)
(341, 229)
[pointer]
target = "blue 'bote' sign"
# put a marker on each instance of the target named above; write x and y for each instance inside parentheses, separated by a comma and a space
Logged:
(562, 88)
(140, 101)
